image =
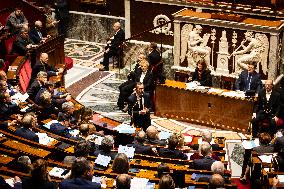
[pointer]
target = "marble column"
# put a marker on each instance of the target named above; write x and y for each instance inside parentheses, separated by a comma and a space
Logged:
(127, 18)
(273, 56)
(176, 43)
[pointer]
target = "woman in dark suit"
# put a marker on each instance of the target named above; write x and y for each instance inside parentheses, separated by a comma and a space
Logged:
(202, 74)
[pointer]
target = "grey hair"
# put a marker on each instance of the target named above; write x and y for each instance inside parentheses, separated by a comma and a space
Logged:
(218, 167)
(205, 148)
(67, 105)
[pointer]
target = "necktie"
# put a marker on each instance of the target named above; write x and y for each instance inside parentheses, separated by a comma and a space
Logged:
(249, 81)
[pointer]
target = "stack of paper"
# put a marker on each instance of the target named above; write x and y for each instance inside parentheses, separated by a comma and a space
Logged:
(139, 183)
(57, 172)
(44, 139)
(124, 128)
(103, 160)
(47, 125)
(20, 97)
(128, 151)
(164, 135)
(265, 158)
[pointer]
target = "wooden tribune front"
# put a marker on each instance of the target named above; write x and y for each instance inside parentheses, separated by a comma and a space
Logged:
(213, 110)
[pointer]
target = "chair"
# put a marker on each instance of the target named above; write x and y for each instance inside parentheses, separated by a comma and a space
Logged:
(227, 83)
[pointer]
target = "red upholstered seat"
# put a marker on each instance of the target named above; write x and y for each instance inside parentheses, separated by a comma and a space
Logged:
(9, 45)
(279, 122)
(5, 66)
(25, 75)
(68, 62)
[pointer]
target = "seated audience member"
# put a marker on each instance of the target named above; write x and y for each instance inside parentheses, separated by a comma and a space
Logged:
(42, 65)
(7, 107)
(66, 114)
(36, 85)
(22, 44)
(23, 164)
(123, 181)
(206, 161)
(216, 181)
(207, 137)
(265, 109)
(143, 76)
(51, 22)
(57, 99)
(153, 137)
(88, 132)
(46, 106)
(16, 21)
(60, 129)
(163, 169)
(120, 164)
(137, 67)
(3, 75)
(16, 181)
(25, 131)
(279, 143)
(106, 147)
(81, 176)
(139, 104)
(264, 147)
(217, 168)
(171, 151)
(139, 146)
(166, 182)
(113, 47)
(202, 74)
(39, 177)
(35, 33)
(82, 149)
(4, 87)
(249, 79)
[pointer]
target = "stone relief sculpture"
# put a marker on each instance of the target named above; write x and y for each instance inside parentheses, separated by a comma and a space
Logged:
(222, 57)
(196, 47)
(255, 51)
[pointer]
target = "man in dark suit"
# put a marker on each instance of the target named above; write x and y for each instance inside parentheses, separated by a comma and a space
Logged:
(28, 122)
(206, 161)
(139, 104)
(266, 108)
(22, 44)
(106, 147)
(114, 46)
(153, 137)
(42, 65)
(35, 33)
(37, 84)
(139, 146)
(279, 144)
(123, 181)
(81, 176)
(155, 61)
(16, 21)
(7, 107)
(249, 79)
(171, 151)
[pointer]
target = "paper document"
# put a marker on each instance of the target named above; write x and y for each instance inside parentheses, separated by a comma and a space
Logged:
(20, 97)
(57, 172)
(265, 158)
(164, 135)
(103, 160)
(188, 139)
(139, 183)
(125, 128)
(44, 139)
(249, 144)
(128, 151)
(47, 125)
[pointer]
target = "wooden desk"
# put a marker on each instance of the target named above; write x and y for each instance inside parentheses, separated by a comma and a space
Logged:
(213, 110)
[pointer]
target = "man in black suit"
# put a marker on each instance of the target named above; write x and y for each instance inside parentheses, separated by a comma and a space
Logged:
(7, 107)
(22, 44)
(142, 75)
(171, 151)
(266, 108)
(113, 47)
(153, 137)
(28, 122)
(139, 146)
(139, 104)
(37, 84)
(206, 161)
(81, 177)
(154, 59)
(42, 65)
(249, 79)
(35, 33)
(106, 147)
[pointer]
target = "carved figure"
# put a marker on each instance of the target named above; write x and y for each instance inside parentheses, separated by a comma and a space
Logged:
(257, 48)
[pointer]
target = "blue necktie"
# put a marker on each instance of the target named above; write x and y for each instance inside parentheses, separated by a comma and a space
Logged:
(249, 81)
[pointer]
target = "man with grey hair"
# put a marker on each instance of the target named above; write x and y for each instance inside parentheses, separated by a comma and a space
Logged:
(113, 47)
(153, 137)
(206, 161)
(35, 33)
(66, 115)
(207, 137)
(23, 164)
(37, 84)
(218, 167)
(106, 147)
(139, 146)
(25, 131)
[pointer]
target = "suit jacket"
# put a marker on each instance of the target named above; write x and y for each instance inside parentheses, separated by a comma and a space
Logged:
(117, 40)
(110, 154)
(34, 89)
(215, 147)
(79, 183)
(43, 67)
(59, 129)
(147, 81)
(264, 149)
(156, 142)
(243, 82)
(27, 134)
(154, 58)
(13, 22)
(141, 149)
(206, 78)
(7, 109)
(34, 35)
(204, 163)
(29, 183)
(170, 153)
(279, 144)
(20, 46)
(270, 106)
(134, 107)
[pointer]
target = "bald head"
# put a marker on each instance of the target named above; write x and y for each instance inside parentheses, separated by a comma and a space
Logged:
(44, 58)
(269, 85)
(141, 135)
(152, 132)
(123, 181)
(116, 26)
(218, 167)
(38, 24)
